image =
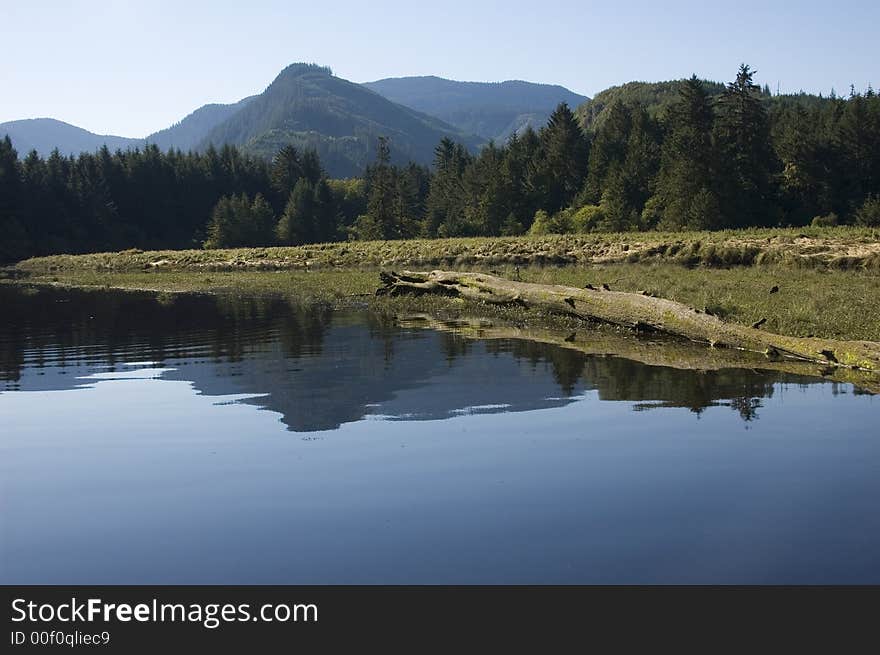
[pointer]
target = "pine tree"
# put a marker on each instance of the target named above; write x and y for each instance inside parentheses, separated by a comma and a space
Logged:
(380, 202)
(13, 237)
(297, 224)
(685, 196)
(286, 170)
(324, 213)
(446, 196)
(565, 152)
(749, 163)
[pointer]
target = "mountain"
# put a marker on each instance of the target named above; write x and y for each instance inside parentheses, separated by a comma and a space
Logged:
(46, 134)
(493, 110)
(191, 131)
(308, 106)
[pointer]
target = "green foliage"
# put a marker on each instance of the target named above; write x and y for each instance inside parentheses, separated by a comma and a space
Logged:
(685, 196)
(656, 97)
(868, 215)
(588, 218)
(747, 160)
(829, 220)
(238, 222)
(563, 161)
(511, 226)
(544, 224)
(297, 224)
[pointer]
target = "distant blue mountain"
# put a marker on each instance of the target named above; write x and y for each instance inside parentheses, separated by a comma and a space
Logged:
(493, 110)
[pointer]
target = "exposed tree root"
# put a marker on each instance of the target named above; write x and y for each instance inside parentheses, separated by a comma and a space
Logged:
(633, 310)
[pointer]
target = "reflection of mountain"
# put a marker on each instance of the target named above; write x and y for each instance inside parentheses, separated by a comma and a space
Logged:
(319, 369)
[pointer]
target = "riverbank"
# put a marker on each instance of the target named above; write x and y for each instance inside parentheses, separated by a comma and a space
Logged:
(824, 282)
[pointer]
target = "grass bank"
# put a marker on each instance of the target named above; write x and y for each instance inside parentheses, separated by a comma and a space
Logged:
(842, 248)
(828, 279)
(824, 303)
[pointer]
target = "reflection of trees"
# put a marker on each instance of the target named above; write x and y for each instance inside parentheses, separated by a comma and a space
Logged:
(566, 365)
(64, 327)
(56, 328)
(302, 329)
(454, 346)
(383, 327)
(747, 407)
(656, 386)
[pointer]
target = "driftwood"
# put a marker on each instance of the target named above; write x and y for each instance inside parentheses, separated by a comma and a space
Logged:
(640, 312)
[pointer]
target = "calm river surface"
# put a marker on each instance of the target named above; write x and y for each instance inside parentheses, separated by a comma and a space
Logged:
(193, 439)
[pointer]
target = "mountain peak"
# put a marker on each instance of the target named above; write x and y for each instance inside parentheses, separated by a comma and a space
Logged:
(302, 69)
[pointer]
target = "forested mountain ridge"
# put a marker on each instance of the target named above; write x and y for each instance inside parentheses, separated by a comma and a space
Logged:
(658, 97)
(46, 134)
(191, 130)
(493, 110)
(308, 107)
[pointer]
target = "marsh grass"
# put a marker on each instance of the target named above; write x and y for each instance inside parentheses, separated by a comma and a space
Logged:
(839, 247)
(838, 304)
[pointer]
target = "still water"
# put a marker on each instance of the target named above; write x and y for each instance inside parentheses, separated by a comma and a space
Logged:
(193, 439)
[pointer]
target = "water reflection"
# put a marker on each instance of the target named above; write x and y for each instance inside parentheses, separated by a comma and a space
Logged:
(143, 440)
(319, 369)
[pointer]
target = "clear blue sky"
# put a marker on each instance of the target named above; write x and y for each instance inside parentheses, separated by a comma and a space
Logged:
(130, 68)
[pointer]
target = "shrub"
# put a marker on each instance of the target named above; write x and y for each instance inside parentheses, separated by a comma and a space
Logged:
(868, 214)
(829, 220)
(511, 227)
(546, 224)
(587, 218)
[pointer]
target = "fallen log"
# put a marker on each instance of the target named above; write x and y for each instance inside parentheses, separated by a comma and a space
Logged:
(633, 310)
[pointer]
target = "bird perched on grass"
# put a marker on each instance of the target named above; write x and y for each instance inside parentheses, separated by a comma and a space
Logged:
(774, 288)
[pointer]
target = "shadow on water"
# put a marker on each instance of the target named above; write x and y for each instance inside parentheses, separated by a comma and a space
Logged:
(319, 368)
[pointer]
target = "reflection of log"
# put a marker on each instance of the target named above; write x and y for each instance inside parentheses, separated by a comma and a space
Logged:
(644, 313)
(652, 351)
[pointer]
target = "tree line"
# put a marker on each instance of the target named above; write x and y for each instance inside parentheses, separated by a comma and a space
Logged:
(707, 162)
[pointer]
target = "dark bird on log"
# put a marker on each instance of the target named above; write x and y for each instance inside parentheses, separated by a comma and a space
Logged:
(829, 355)
(774, 288)
(708, 311)
(606, 287)
(590, 287)
(570, 337)
(570, 302)
(758, 324)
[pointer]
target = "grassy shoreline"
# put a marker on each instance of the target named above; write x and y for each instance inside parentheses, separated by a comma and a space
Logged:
(844, 248)
(828, 278)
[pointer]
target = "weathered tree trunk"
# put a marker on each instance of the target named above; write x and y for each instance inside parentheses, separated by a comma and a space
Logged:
(641, 312)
